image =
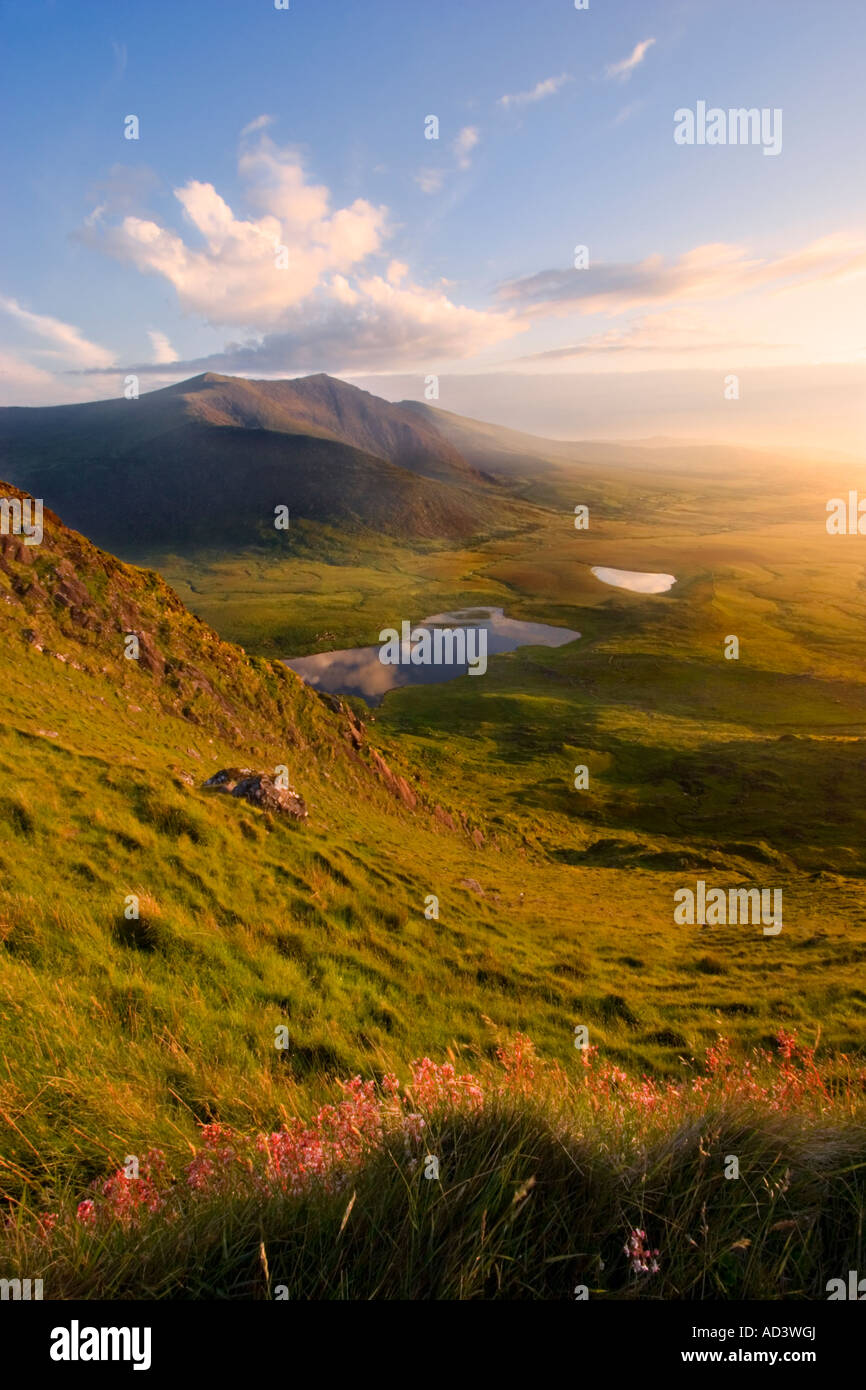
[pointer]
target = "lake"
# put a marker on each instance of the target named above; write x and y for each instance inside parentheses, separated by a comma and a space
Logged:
(359, 671)
(639, 581)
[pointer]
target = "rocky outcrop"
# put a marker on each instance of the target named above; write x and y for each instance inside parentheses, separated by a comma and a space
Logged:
(260, 789)
(355, 727)
(398, 786)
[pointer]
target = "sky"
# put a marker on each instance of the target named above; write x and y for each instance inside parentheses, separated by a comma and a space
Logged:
(559, 257)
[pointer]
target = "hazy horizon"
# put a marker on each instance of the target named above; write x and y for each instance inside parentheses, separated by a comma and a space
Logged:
(627, 408)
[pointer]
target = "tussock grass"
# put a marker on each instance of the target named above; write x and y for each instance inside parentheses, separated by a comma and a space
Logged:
(539, 1187)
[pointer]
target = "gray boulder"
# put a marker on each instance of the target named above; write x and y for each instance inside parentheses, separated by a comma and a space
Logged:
(259, 789)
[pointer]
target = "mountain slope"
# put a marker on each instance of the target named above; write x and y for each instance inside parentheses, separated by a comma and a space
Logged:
(206, 462)
(64, 600)
(324, 406)
(511, 455)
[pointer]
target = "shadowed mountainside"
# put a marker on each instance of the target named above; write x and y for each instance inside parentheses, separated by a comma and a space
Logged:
(206, 462)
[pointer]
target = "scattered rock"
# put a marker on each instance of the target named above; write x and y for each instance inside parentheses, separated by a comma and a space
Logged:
(472, 884)
(475, 836)
(259, 789)
(149, 657)
(69, 592)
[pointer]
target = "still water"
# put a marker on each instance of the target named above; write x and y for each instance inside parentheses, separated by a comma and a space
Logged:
(358, 670)
(636, 580)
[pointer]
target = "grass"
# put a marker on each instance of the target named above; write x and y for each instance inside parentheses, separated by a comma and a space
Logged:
(541, 1179)
(118, 1035)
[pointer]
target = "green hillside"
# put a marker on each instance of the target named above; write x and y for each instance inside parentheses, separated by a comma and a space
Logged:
(115, 1036)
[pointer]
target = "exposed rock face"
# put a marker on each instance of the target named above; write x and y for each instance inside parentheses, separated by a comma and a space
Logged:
(398, 785)
(259, 789)
(355, 728)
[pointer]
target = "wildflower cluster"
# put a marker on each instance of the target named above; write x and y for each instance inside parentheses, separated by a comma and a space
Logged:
(125, 1197)
(787, 1080)
(323, 1153)
(436, 1088)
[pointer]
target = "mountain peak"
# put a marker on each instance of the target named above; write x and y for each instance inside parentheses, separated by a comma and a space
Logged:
(207, 460)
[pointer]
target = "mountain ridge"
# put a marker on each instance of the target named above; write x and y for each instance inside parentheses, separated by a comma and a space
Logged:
(207, 461)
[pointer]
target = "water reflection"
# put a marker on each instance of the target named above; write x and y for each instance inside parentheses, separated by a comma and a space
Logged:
(358, 670)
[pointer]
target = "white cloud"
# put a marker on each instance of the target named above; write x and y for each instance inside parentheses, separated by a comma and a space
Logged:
(233, 278)
(163, 351)
(429, 180)
(713, 271)
(548, 88)
(680, 331)
(22, 383)
(259, 123)
(379, 323)
(328, 309)
(465, 143)
(626, 67)
(68, 344)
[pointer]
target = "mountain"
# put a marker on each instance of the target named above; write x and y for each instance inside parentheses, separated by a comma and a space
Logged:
(322, 406)
(205, 462)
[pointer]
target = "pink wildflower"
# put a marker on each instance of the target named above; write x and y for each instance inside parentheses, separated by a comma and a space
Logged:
(639, 1256)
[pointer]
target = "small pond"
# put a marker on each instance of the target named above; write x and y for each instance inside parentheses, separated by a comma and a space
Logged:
(359, 670)
(639, 581)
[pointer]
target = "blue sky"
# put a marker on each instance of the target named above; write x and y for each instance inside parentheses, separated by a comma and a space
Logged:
(407, 256)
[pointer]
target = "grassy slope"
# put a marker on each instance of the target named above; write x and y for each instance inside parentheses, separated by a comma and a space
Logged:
(112, 1039)
(108, 1048)
(534, 1198)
